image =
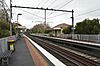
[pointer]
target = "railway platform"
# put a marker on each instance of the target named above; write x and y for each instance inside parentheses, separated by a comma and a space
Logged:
(27, 53)
(21, 56)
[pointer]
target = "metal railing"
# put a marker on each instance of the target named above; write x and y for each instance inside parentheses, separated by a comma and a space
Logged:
(94, 38)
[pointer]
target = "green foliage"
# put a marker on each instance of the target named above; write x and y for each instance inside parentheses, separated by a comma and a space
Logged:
(4, 26)
(48, 31)
(67, 30)
(4, 33)
(88, 27)
(39, 28)
(51, 34)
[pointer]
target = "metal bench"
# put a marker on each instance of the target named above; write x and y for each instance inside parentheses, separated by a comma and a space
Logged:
(5, 57)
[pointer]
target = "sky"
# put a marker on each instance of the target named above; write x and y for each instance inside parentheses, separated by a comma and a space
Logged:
(83, 9)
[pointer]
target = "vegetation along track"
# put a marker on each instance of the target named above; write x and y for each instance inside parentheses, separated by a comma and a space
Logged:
(67, 57)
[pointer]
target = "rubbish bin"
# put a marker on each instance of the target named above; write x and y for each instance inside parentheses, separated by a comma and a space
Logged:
(11, 45)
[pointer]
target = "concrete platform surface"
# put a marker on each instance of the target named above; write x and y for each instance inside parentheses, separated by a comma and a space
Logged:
(21, 56)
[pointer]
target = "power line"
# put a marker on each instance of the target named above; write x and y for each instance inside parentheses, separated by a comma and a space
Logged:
(37, 6)
(42, 8)
(87, 12)
(39, 3)
(45, 2)
(32, 14)
(51, 3)
(42, 5)
(64, 4)
(84, 14)
(56, 15)
(61, 6)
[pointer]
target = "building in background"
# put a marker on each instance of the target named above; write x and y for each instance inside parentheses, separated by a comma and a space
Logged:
(58, 29)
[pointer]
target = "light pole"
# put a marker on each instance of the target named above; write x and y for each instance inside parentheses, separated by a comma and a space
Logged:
(17, 21)
(73, 24)
(10, 17)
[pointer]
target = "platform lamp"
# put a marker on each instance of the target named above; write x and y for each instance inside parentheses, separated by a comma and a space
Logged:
(17, 21)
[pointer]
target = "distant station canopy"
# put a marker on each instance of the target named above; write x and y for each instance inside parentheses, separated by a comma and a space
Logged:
(21, 28)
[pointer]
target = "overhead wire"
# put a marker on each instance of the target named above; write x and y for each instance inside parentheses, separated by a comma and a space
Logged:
(38, 5)
(66, 3)
(45, 2)
(56, 15)
(32, 14)
(42, 5)
(62, 5)
(59, 8)
(84, 14)
(87, 12)
(52, 3)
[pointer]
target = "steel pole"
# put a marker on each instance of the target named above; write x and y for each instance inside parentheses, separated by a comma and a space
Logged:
(17, 25)
(45, 19)
(72, 22)
(10, 17)
(17, 21)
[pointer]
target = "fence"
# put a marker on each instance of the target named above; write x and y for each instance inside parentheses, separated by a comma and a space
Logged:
(3, 43)
(94, 38)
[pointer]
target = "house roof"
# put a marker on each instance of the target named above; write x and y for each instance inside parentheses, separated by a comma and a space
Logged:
(21, 27)
(59, 26)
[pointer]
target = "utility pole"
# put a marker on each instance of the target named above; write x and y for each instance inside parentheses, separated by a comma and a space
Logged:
(51, 10)
(72, 24)
(72, 21)
(10, 17)
(45, 19)
(17, 22)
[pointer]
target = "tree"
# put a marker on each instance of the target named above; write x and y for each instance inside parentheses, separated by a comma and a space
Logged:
(67, 30)
(4, 29)
(88, 27)
(39, 28)
(4, 25)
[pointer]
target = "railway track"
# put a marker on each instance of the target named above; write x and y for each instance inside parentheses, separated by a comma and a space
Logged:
(88, 50)
(67, 57)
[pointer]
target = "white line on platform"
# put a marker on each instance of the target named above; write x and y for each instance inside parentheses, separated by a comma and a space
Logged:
(53, 59)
